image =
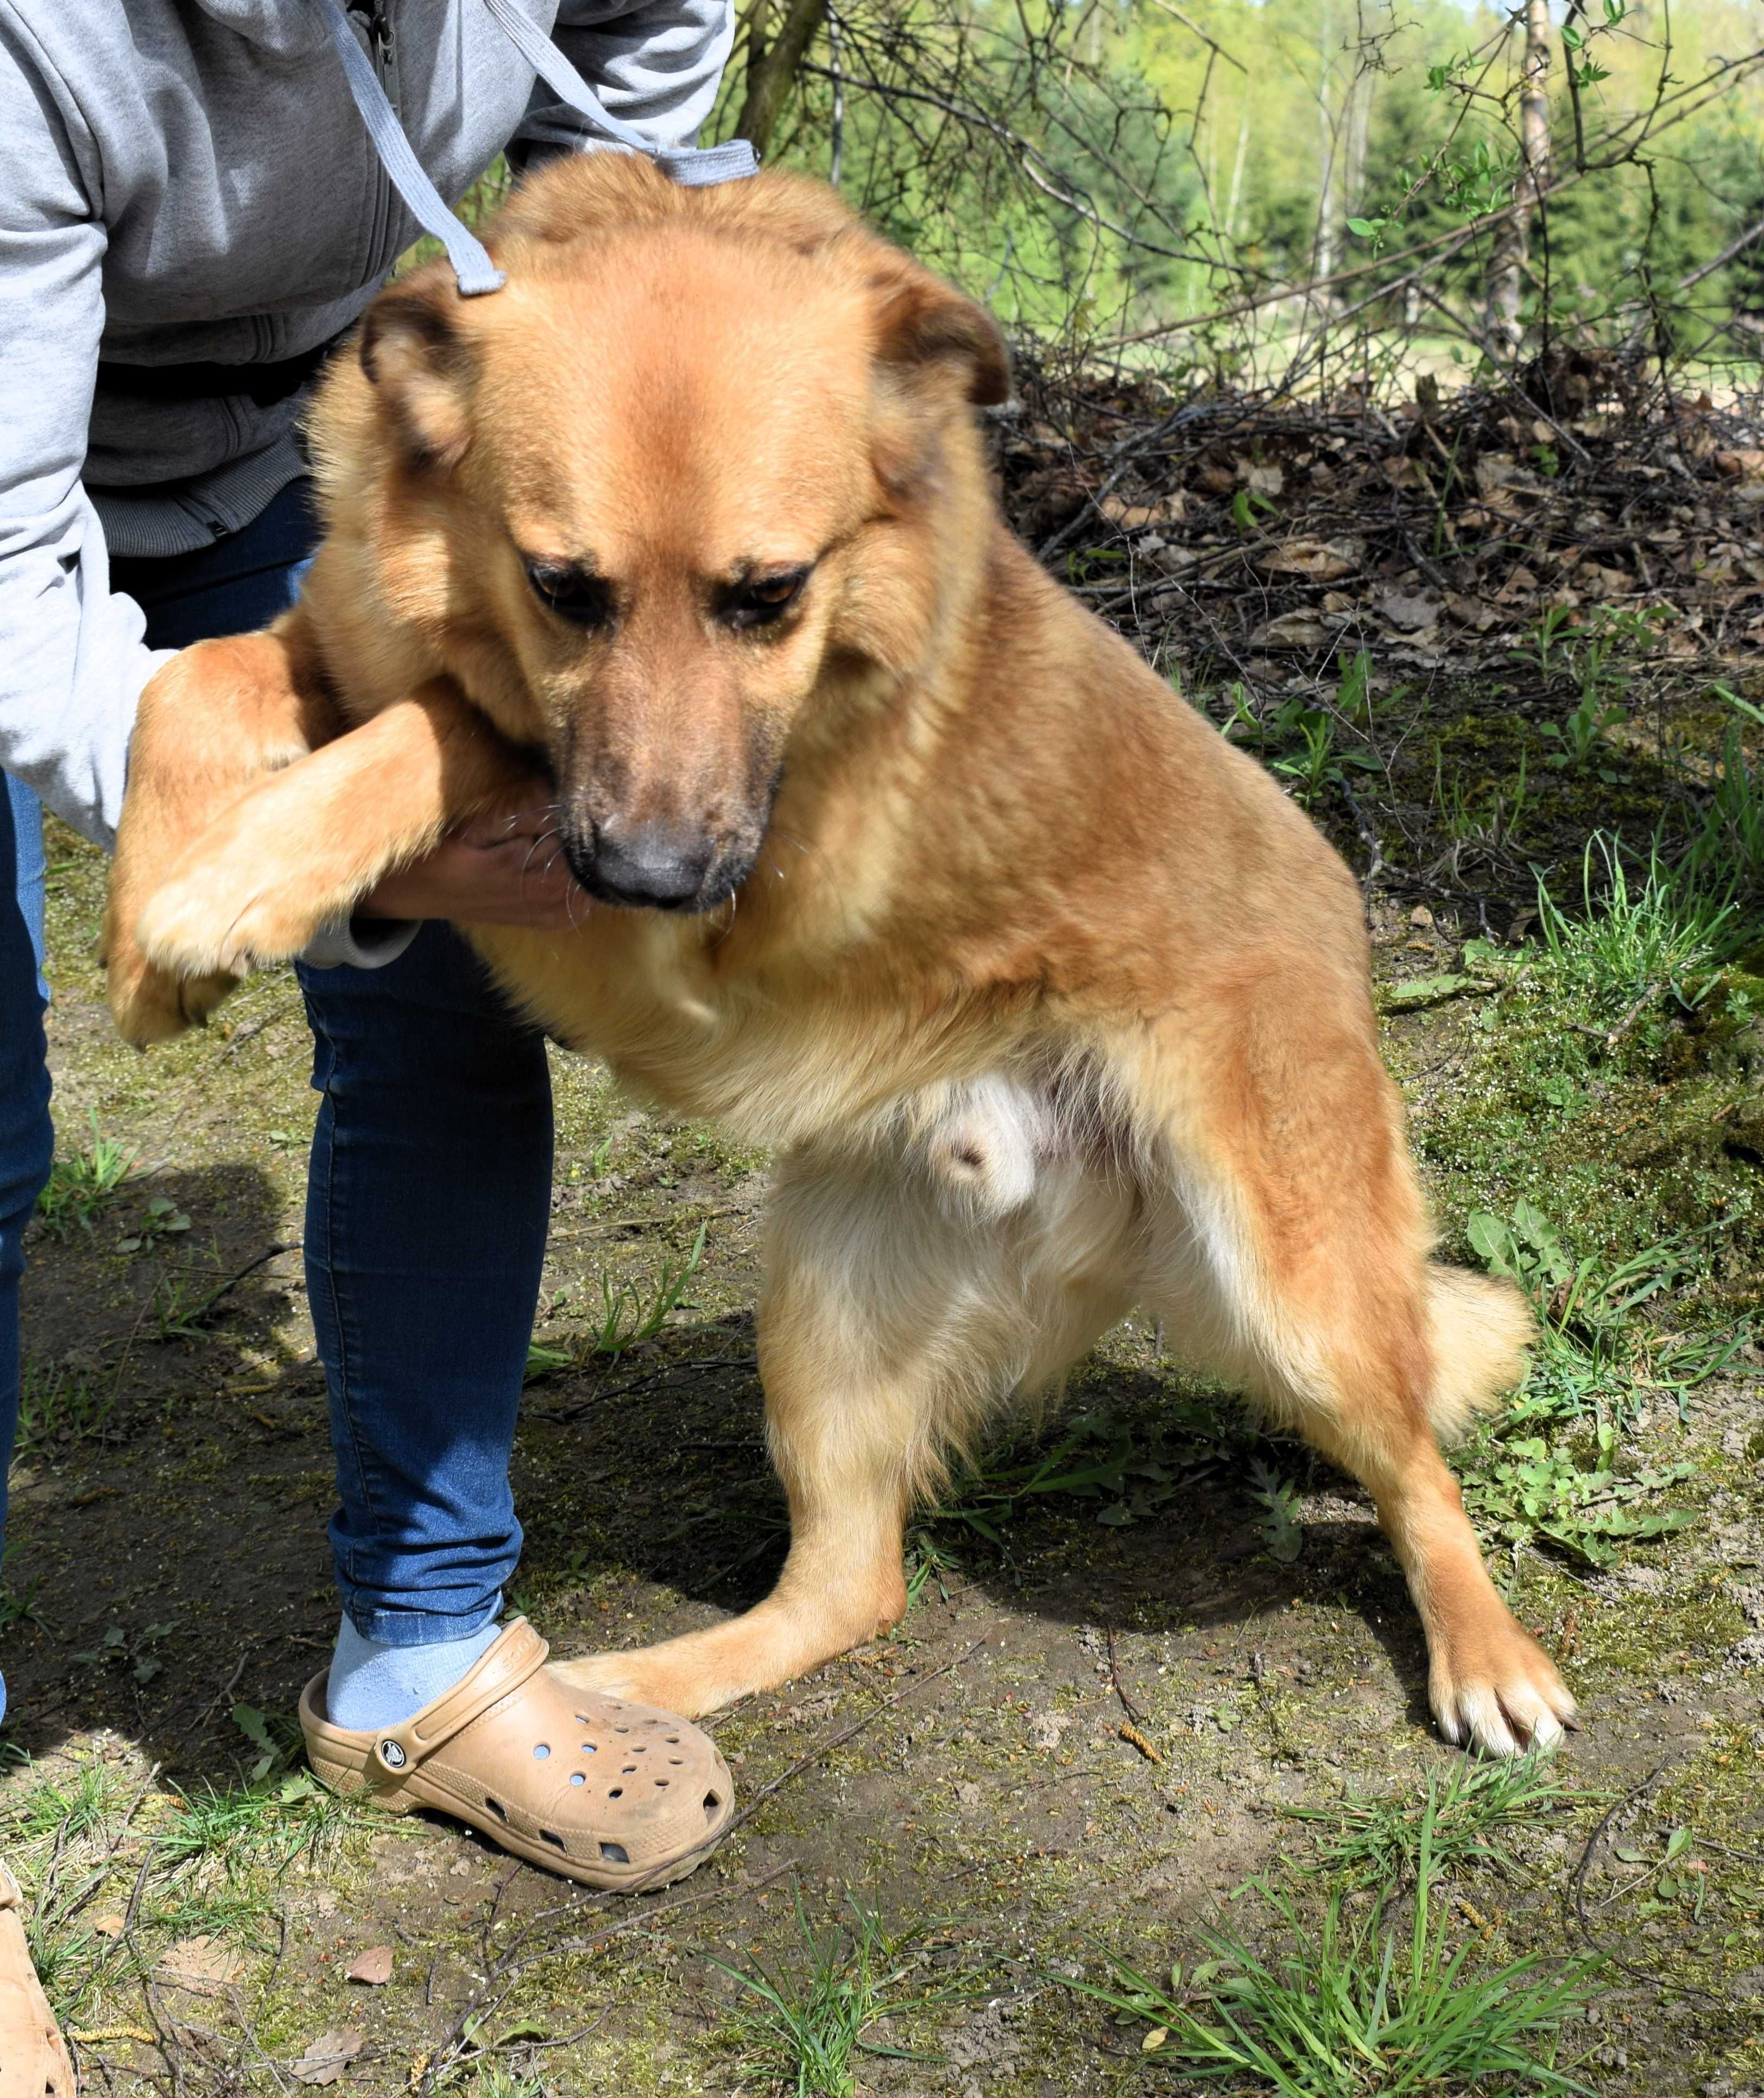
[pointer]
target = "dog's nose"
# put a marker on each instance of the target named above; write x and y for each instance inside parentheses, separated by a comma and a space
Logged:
(661, 865)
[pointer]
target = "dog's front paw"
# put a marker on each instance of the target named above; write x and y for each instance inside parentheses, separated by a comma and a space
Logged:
(647, 1675)
(150, 1005)
(200, 926)
(1498, 1690)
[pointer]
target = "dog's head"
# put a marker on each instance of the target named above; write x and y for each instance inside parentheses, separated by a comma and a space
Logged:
(701, 449)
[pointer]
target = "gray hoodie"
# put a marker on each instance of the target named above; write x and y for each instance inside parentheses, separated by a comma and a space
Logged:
(190, 181)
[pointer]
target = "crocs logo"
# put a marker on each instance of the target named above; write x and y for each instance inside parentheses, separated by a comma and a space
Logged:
(392, 1755)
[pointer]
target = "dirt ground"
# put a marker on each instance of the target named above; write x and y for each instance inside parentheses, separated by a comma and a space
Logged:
(1087, 1736)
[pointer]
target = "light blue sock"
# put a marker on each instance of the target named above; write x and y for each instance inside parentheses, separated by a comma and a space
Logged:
(372, 1684)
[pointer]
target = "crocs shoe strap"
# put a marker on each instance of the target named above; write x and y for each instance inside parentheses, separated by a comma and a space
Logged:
(518, 1654)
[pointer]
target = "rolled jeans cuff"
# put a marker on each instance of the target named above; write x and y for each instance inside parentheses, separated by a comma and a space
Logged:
(419, 1627)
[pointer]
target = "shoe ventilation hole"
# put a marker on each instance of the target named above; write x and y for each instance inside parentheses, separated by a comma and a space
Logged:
(640, 1748)
(617, 1793)
(496, 1807)
(590, 1748)
(615, 1854)
(678, 1762)
(712, 1802)
(541, 1750)
(621, 1730)
(661, 1784)
(545, 1836)
(673, 1740)
(582, 1719)
(576, 1777)
(629, 1771)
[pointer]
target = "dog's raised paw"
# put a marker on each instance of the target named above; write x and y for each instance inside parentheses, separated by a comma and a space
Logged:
(150, 1005)
(198, 929)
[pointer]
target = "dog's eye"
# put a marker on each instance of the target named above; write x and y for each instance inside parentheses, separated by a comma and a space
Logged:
(762, 598)
(572, 593)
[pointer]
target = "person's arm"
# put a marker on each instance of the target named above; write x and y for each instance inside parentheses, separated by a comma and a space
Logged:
(656, 63)
(72, 661)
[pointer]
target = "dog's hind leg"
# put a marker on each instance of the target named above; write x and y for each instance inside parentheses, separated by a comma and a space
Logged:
(1294, 1252)
(893, 1321)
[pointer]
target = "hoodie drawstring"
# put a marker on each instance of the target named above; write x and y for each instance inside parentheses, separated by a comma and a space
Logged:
(473, 270)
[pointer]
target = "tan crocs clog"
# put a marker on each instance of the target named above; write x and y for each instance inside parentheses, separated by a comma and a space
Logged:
(33, 2058)
(618, 1795)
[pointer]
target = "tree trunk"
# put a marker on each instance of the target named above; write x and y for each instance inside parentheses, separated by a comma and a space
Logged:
(772, 66)
(1511, 246)
(1324, 254)
(1237, 165)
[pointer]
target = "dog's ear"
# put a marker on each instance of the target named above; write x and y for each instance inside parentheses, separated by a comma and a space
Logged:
(923, 324)
(414, 349)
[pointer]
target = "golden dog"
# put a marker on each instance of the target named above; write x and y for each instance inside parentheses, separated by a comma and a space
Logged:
(1050, 1001)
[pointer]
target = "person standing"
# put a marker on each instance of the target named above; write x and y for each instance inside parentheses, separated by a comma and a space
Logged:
(198, 198)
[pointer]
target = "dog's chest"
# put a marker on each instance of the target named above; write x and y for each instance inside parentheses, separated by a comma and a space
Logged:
(777, 1054)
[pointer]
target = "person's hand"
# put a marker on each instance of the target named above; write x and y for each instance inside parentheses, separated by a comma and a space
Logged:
(506, 868)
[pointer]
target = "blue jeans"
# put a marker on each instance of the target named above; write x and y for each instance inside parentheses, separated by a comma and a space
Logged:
(427, 1202)
(27, 1141)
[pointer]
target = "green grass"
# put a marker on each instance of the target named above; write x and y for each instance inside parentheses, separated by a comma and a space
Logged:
(261, 1825)
(78, 1188)
(95, 1839)
(58, 1408)
(1664, 931)
(801, 2027)
(629, 1313)
(1463, 1813)
(71, 1808)
(1729, 843)
(1384, 2004)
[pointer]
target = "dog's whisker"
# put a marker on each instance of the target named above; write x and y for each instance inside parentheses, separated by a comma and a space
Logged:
(735, 904)
(813, 855)
(544, 837)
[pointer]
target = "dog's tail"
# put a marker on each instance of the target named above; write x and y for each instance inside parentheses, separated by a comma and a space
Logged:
(1480, 1327)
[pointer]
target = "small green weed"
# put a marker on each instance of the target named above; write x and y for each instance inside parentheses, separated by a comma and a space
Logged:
(1636, 943)
(494, 2081)
(1489, 819)
(1520, 1488)
(1465, 1810)
(1594, 653)
(1728, 848)
(1282, 1532)
(119, 1648)
(1300, 739)
(631, 1312)
(1355, 2009)
(78, 1188)
(1541, 652)
(181, 1309)
(807, 2026)
(1134, 1472)
(58, 1409)
(276, 1737)
(163, 1219)
(18, 1606)
(1549, 1466)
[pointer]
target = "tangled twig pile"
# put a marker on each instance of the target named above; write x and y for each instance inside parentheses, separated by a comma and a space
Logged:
(1230, 531)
